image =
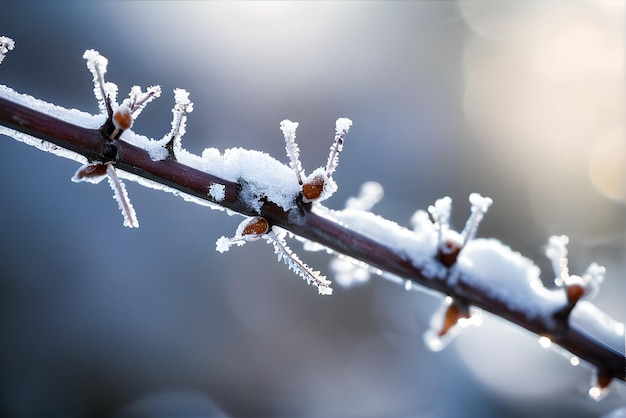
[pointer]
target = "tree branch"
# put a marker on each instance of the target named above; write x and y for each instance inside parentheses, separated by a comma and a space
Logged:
(304, 221)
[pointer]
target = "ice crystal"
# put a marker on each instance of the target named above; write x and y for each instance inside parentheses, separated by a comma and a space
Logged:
(480, 205)
(137, 99)
(291, 146)
(590, 281)
(121, 196)
(6, 44)
(106, 93)
(556, 251)
(341, 129)
(217, 192)
(294, 263)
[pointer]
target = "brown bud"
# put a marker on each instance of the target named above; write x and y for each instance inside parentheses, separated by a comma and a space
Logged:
(604, 379)
(122, 118)
(313, 188)
(257, 226)
(452, 316)
(574, 293)
(90, 173)
(448, 252)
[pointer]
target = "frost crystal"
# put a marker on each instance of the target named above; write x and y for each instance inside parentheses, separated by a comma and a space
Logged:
(121, 196)
(480, 205)
(182, 107)
(440, 212)
(106, 93)
(293, 152)
(556, 251)
(138, 100)
(341, 129)
(6, 44)
(294, 263)
(217, 192)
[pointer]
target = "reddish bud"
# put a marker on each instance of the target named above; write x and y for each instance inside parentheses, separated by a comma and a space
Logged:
(452, 316)
(122, 118)
(91, 173)
(448, 252)
(604, 379)
(574, 293)
(313, 188)
(257, 226)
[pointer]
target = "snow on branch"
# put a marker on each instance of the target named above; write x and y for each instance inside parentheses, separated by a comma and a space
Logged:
(473, 274)
(6, 44)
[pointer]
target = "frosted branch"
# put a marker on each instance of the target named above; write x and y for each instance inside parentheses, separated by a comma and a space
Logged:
(487, 275)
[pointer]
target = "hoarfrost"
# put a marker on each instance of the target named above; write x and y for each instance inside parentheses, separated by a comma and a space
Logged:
(121, 196)
(6, 44)
(217, 192)
(291, 146)
(276, 238)
(556, 251)
(480, 205)
(103, 91)
(137, 99)
(342, 125)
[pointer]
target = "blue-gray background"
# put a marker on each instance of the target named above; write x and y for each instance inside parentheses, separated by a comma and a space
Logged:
(100, 320)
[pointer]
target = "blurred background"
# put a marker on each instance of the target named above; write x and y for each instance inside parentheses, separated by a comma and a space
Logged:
(519, 101)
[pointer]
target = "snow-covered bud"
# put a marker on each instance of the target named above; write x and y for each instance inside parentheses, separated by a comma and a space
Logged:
(122, 118)
(250, 229)
(255, 227)
(313, 188)
(449, 250)
(91, 173)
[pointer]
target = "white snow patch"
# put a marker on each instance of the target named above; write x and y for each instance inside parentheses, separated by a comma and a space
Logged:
(508, 277)
(6, 44)
(217, 192)
(73, 116)
(587, 318)
(419, 246)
